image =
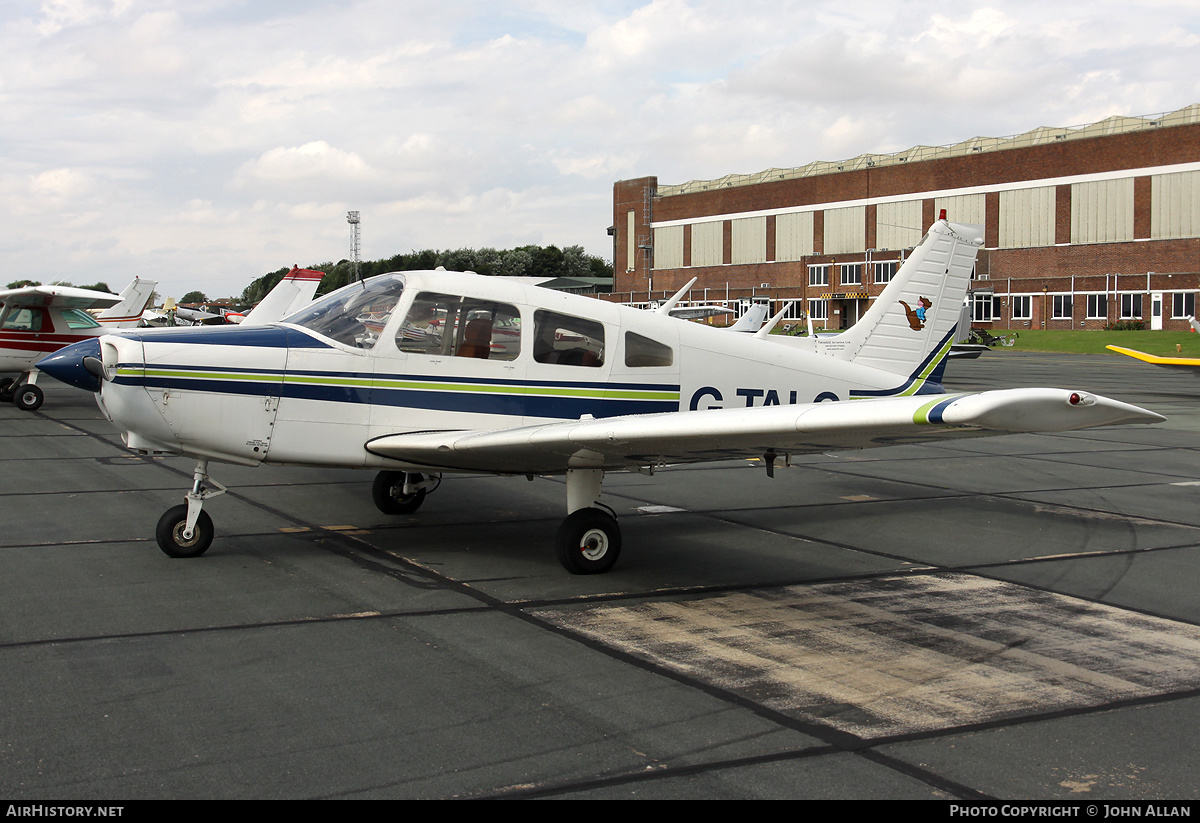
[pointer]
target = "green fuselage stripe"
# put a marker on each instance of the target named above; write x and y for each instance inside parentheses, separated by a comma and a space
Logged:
(409, 385)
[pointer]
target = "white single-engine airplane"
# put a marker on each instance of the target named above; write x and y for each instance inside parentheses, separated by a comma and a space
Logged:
(35, 320)
(418, 373)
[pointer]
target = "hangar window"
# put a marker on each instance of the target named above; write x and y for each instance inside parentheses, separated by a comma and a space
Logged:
(642, 351)
(567, 340)
(1022, 307)
(818, 275)
(981, 308)
(1131, 305)
(1062, 307)
(818, 309)
(851, 274)
(884, 272)
(1097, 306)
(793, 310)
(1183, 304)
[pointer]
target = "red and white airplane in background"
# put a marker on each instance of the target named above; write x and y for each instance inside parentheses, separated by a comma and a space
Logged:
(37, 320)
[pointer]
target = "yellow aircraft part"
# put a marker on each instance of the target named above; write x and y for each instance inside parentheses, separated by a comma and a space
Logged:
(1155, 359)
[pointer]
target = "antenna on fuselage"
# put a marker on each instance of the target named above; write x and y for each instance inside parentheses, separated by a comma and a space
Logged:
(665, 308)
(353, 220)
(770, 324)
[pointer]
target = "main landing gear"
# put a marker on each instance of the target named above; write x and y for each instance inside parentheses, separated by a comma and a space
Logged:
(186, 530)
(402, 492)
(589, 539)
(24, 393)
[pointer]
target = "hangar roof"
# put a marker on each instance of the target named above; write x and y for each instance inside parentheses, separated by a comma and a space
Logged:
(1116, 124)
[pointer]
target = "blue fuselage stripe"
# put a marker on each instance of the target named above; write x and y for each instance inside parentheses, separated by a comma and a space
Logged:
(513, 404)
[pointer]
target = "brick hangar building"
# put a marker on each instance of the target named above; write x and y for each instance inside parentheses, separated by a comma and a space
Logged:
(1083, 227)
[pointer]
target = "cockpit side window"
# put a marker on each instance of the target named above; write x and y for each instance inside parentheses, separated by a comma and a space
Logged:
(453, 326)
(354, 315)
(567, 340)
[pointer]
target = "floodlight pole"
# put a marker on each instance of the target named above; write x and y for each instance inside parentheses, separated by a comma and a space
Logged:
(353, 220)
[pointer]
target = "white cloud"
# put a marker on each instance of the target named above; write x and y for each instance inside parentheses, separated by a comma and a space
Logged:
(57, 15)
(58, 185)
(315, 161)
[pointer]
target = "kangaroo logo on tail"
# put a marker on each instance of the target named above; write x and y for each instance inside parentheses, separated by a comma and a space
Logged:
(916, 317)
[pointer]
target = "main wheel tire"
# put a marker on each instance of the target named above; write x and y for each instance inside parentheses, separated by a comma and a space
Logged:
(170, 533)
(8, 389)
(588, 542)
(29, 397)
(388, 493)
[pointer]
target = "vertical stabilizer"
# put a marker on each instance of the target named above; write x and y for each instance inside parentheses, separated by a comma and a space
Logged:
(292, 293)
(752, 320)
(911, 324)
(128, 312)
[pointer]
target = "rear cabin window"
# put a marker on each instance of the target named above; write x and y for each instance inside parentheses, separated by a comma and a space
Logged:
(451, 326)
(642, 351)
(567, 340)
(79, 319)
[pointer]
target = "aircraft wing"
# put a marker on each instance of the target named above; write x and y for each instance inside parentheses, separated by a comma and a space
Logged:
(67, 297)
(1189, 363)
(698, 312)
(695, 436)
(199, 318)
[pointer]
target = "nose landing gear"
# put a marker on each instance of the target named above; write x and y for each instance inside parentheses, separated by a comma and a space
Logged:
(24, 393)
(187, 530)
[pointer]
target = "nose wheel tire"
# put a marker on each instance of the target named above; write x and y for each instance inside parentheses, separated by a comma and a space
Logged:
(170, 533)
(588, 542)
(388, 494)
(8, 388)
(28, 398)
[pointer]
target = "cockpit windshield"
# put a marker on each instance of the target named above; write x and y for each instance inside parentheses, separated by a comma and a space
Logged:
(353, 315)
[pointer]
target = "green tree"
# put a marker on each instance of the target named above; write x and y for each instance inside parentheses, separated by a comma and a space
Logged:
(194, 297)
(544, 261)
(20, 284)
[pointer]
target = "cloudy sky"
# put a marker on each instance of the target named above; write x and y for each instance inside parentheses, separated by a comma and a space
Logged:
(204, 143)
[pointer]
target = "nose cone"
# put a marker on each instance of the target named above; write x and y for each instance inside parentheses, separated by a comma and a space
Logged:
(69, 365)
